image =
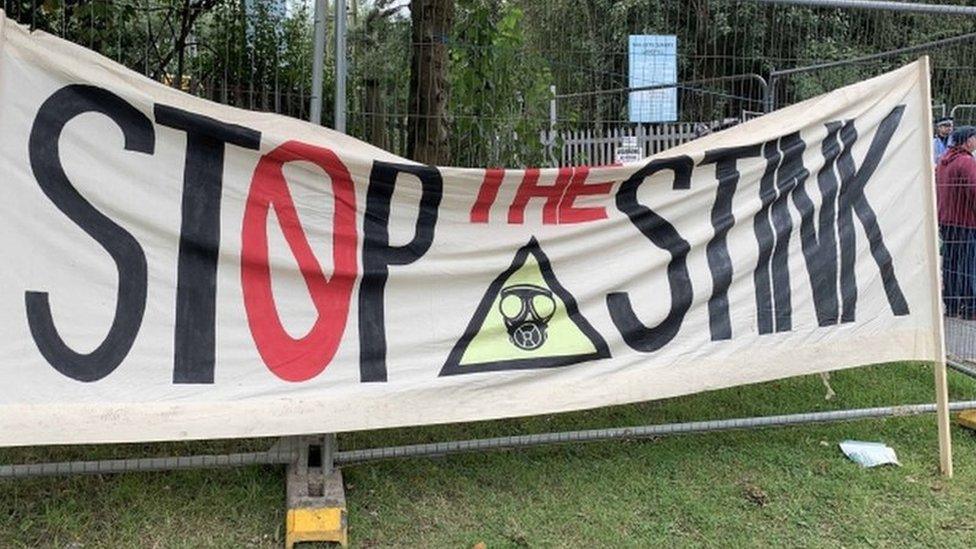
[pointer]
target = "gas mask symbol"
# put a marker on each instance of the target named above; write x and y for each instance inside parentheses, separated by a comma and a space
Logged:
(527, 310)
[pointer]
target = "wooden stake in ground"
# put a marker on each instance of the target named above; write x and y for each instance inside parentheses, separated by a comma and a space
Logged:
(941, 387)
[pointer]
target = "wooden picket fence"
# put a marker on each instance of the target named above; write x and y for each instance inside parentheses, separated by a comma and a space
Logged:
(598, 147)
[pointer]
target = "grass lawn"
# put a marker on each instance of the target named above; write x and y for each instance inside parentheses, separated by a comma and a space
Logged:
(779, 486)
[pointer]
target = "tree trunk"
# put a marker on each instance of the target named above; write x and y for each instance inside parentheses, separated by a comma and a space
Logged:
(180, 45)
(375, 114)
(428, 133)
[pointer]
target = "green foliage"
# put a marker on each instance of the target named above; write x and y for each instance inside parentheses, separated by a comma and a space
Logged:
(499, 89)
(242, 53)
(380, 60)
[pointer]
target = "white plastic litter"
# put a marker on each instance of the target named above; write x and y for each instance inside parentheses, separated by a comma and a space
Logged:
(869, 454)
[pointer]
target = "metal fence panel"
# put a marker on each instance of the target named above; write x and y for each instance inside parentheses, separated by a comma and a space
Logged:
(534, 83)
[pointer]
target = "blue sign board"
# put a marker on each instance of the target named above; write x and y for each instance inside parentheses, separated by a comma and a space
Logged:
(652, 60)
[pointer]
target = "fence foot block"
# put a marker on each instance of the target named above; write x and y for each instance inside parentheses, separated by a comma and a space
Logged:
(316, 507)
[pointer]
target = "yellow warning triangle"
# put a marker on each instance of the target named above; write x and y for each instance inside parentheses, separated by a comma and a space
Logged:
(526, 319)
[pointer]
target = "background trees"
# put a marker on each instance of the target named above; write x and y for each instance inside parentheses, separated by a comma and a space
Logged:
(467, 81)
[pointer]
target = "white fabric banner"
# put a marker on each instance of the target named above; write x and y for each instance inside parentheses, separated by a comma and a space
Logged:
(177, 269)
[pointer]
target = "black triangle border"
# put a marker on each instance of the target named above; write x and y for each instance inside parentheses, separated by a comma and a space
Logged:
(452, 365)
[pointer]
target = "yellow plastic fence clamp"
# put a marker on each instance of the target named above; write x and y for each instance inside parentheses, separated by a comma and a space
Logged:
(316, 497)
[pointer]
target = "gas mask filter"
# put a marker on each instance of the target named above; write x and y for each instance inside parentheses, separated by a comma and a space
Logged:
(527, 310)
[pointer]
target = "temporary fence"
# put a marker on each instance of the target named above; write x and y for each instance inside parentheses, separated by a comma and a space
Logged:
(285, 451)
(600, 147)
(253, 54)
(952, 148)
(551, 77)
(514, 69)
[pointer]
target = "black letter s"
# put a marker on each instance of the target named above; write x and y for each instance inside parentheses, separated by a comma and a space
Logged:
(663, 235)
(54, 114)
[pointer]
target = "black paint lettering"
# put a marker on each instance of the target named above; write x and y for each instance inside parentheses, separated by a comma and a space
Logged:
(791, 173)
(196, 283)
(774, 227)
(130, 260)
(817, 237)
(845, 232)
(765, 239)
(717, 250)
(378, 255)
(853, 181)
(841, 200)
(663, 235)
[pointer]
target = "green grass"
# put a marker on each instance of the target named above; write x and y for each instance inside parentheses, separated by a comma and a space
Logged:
(778, 486)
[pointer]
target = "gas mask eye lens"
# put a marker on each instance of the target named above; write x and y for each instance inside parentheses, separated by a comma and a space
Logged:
(543, 305)
(511, 306)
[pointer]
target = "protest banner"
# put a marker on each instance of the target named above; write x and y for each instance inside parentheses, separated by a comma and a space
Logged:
(179, 269)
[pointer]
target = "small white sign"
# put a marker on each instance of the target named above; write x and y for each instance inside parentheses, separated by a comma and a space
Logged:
(628, 151)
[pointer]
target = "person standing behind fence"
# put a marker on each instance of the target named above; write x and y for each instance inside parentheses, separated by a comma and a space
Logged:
(955, 178)
(941, 142)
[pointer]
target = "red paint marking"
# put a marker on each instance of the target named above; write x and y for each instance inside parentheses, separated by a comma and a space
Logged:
(487, 195)
(530, 188)
(568, 212)
(303, 358)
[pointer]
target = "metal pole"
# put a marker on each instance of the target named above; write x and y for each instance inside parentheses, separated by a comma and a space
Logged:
(550, 139)
(275, 456)
(286, 450)
(330, 444)
(349, 457)
(318, 64)
(961, 368)
(769, 93)
(329, 447)
(683, 84)
(903, 7)
(876, 56)
(340, 65)
(552, 110)
(952, 112)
